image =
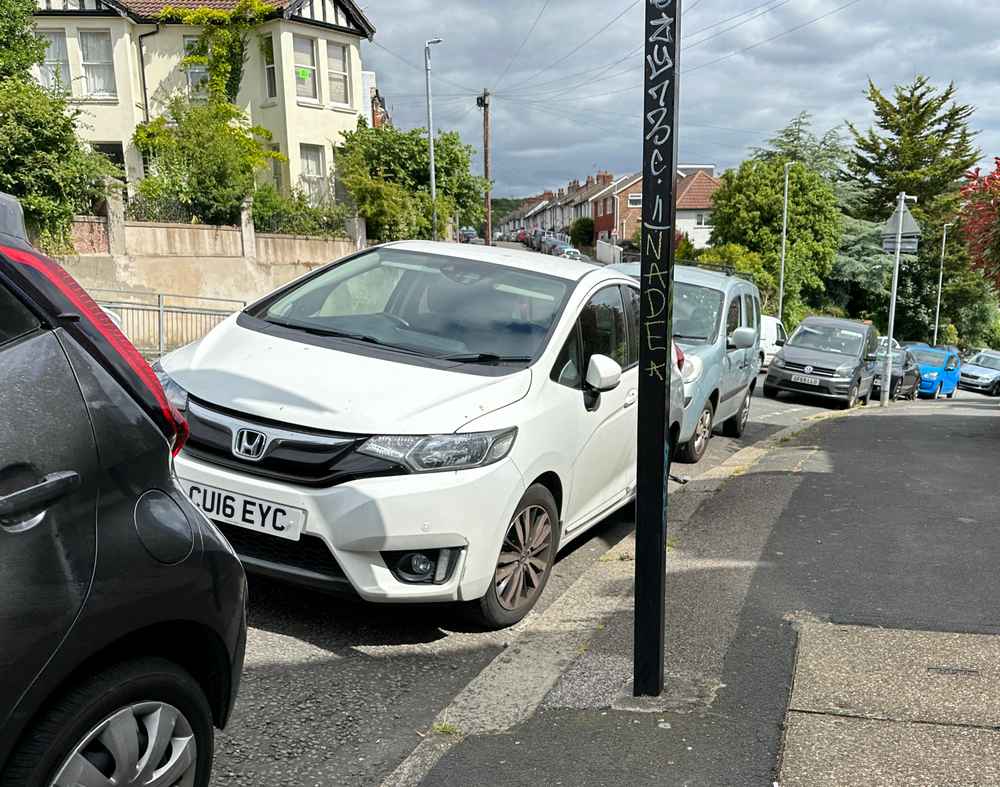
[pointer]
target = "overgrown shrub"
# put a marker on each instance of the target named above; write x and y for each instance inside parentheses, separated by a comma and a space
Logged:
(293, 214)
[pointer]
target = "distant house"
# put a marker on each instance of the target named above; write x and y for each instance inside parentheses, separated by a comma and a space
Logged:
(120, 66)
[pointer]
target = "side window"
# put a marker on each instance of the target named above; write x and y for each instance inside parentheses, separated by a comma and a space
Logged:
(15, 319)
(749, 315)
(782, 336)
(568, 369)
(733, 315)
(952, 363)
(632, 310)
(756, 310)
(602, 327)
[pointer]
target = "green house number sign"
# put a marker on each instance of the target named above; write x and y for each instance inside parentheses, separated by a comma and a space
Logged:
(302, 73)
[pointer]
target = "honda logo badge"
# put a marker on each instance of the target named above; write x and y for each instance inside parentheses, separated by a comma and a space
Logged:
(249, 444)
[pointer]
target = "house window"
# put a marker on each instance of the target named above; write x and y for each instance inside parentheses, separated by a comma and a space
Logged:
(276, 178)
(98, 64)
(608, 206)
(55, 67)
(600, 208)
(635, 200)
(313, 171)
(703, 220)
(338, 72)
(197, 75)
(270, 76)
(305, 68)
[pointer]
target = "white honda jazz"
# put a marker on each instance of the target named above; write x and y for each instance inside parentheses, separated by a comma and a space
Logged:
(418, 422)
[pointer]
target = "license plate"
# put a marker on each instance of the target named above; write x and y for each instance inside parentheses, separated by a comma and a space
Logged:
(263, 516)
(801, 378)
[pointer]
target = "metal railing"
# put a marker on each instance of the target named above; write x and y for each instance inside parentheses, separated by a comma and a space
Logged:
(158, 322)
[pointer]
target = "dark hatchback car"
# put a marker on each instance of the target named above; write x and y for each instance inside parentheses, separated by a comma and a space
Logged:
(826, 357)
(905, 382)
(122, 616)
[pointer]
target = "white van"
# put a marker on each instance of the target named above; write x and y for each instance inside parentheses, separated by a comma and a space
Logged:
(772, 337)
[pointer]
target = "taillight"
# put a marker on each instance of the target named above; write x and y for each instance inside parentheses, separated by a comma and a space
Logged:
(61, 295)
(679, 355)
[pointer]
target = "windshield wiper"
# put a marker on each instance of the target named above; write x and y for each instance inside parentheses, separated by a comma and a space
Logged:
(487, 358)
(358, 337)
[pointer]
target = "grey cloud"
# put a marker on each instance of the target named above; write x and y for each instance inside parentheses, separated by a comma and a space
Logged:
(552, 127)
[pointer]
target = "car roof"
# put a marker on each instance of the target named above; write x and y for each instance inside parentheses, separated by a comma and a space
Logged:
(561, 267)
(689, 274)
(837, 321)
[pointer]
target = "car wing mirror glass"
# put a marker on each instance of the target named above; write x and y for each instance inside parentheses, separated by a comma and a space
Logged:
(742, 339)
(779, 342)
(603, 373)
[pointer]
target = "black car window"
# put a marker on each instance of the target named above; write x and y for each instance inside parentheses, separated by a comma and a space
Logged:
(631, 295)
(568, 369)
(733, 315)
(781, 332)
(952, 364)
(15, 319)
(602, 327)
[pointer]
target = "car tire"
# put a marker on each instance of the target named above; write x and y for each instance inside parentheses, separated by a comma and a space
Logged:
(736, 425)
(852, 397)
(953, 394)
(995, 390)
(536, 518)
(131, 697)
(770, 392)
(937, 391)
(694, 449)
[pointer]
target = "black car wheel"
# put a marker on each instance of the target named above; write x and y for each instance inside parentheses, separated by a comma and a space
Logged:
(937, 391)
(694, 449)
(995, 390)
(770, 392)
(852, 397)
(737, 424)
(144, 721)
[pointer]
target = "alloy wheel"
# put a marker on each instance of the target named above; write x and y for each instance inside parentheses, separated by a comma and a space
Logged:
(745, 412)
(703, 430)
(524, 559)
(149, 743)
(852, 397)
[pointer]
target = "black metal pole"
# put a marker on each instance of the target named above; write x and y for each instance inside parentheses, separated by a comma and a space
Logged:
(656, 359)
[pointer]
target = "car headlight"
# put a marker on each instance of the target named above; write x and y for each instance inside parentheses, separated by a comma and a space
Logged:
(847, 370)
(779, 361)
(931, 375)
(692, 368)
(430, 453)
(176, 395)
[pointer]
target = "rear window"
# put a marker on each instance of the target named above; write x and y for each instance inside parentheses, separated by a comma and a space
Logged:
(15, 319)
(929, 357)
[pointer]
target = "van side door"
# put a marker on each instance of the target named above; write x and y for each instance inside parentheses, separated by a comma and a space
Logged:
(734, 372)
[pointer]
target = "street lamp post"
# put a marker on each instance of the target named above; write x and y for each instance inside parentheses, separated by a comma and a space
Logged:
(901, 215)
(784, 241)
(430, 132)
(937, 312)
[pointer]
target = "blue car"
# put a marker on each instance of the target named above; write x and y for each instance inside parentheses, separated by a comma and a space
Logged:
(939, 371)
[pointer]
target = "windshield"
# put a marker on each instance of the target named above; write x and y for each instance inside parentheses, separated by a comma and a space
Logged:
(987, 361)
(929, 357)
(897, 356)
(426, 304)
(827, 338)
(696, 313)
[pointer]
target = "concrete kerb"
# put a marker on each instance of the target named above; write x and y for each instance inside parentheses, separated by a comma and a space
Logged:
(513, 685)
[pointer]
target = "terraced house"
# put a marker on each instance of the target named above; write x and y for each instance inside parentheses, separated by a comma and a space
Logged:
(121, 66)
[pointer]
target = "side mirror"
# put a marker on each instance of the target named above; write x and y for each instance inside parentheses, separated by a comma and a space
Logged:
(603, 373)
(871, 357)
(779, 342)
(742, 339)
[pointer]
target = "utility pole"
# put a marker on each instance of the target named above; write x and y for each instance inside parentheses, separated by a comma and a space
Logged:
(937, 313)
(430, 133)
(901, 214)
(784, 241)
(484, 102)
(661, 34)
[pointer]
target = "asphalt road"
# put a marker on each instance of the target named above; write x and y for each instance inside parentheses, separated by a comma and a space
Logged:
(338, 693)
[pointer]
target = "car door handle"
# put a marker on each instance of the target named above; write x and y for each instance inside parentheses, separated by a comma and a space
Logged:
(38, 497)
(631, 398)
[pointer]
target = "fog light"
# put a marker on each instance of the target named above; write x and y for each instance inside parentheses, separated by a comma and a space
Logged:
(420, 565)
(429, 566)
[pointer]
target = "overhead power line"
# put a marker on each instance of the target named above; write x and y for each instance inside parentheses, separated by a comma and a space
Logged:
(725, 30)
(525, 41)
(413, 65)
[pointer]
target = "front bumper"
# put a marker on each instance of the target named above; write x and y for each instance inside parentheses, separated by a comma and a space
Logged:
(829, 387)
(349, 525)
(982, 386)
(928, 385)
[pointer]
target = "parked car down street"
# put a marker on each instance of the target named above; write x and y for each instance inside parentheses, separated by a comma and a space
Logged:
(827, 357)
(905, 382)
(981, 373)
(123, 621)
(772, 338)
(939, 372)
(421, 422)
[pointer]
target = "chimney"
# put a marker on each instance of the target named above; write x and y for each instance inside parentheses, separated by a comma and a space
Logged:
(562, 193)
(547, 195)
(605, 178)
(590, 180)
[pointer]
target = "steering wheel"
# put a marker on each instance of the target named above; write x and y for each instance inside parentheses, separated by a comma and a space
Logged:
(397, 319)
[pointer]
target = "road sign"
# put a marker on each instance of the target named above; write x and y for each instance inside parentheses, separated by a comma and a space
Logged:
(908, 245)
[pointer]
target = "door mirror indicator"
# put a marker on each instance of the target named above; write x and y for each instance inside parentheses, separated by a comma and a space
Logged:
(603, 373)
(742, 339)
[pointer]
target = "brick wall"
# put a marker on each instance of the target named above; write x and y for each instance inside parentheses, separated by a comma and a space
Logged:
(90, 235)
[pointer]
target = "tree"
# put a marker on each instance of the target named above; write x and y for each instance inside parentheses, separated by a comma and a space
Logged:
(921, 143)
(684, 250)
(222, 46)
(205, 160)
(20, 48)
(386, 172)
(581, 232)
(980, 216)
(749, 264)
(747, 210)
(44, 164)
(824, 154)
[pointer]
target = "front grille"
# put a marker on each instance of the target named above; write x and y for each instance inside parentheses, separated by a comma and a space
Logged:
(817, 371)
(309, 553)
(306, 457)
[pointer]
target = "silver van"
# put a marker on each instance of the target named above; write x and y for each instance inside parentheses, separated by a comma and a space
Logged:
(717, 325)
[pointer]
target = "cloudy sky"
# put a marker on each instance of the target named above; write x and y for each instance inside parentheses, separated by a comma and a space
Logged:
(569, 102)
